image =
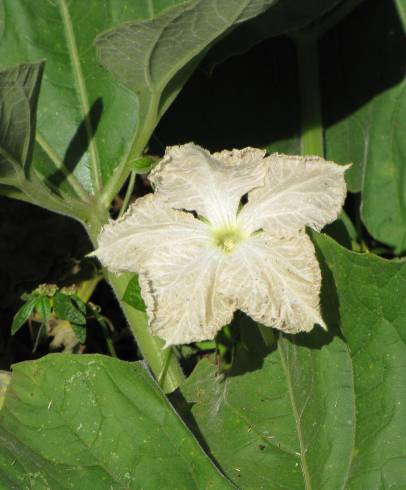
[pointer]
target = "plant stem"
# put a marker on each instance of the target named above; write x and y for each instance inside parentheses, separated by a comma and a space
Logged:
(164, 365)
(141, 137)
(310, 105)
(128, 193)
(87, 288)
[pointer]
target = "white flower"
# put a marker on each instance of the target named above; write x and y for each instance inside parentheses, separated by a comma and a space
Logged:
(195, 272)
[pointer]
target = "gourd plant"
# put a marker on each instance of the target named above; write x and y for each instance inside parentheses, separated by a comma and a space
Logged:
(83, 87)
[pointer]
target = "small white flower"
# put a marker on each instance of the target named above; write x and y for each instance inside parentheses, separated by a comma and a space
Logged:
(194, 273)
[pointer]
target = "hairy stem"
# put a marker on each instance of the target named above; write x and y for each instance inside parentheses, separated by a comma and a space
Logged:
(128, 193)
(310, 105)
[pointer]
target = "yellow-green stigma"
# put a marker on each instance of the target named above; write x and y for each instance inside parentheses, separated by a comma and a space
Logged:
(228, 238)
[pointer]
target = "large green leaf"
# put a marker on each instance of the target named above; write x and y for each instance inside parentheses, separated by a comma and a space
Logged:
(145, 56)
(19, 90)
(316, 411)
(85, 120)
(154, 58)
(95, 422)
(365, 110)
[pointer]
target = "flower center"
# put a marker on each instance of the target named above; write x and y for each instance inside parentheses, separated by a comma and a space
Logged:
(228, 238)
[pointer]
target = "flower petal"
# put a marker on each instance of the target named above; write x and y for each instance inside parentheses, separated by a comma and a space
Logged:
(299, 191)
(190, 178)
(180, 288)
(149, 225)
(276, 281)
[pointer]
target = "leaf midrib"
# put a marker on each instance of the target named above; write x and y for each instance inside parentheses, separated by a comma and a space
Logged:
(295, 412)
(81, 91)
(354, 411)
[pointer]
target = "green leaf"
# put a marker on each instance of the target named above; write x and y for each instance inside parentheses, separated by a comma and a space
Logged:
(19, 89)
(144, 164)
(365, 107)
(79, 303)
(5, 378)
(43, 307)
(313, 410)
(23, 314)
(138, 53)
(80, 332)
(154, 58)
(85, 119)
(372, 310)
(87, 123)
(132, 295)
(95, 422)
(66, 309)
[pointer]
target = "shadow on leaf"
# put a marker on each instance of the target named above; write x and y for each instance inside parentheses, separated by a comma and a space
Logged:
(79, 143)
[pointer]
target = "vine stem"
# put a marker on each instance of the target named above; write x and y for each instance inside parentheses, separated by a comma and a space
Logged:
(309, 87)
(128, 193)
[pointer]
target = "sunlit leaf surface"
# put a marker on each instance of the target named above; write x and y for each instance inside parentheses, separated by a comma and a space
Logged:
(94, 422)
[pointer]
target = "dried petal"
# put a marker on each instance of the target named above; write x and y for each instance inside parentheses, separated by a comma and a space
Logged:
(190, 178)
(150, 224)
(276, 281)
(181, 291)
(299, 191)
